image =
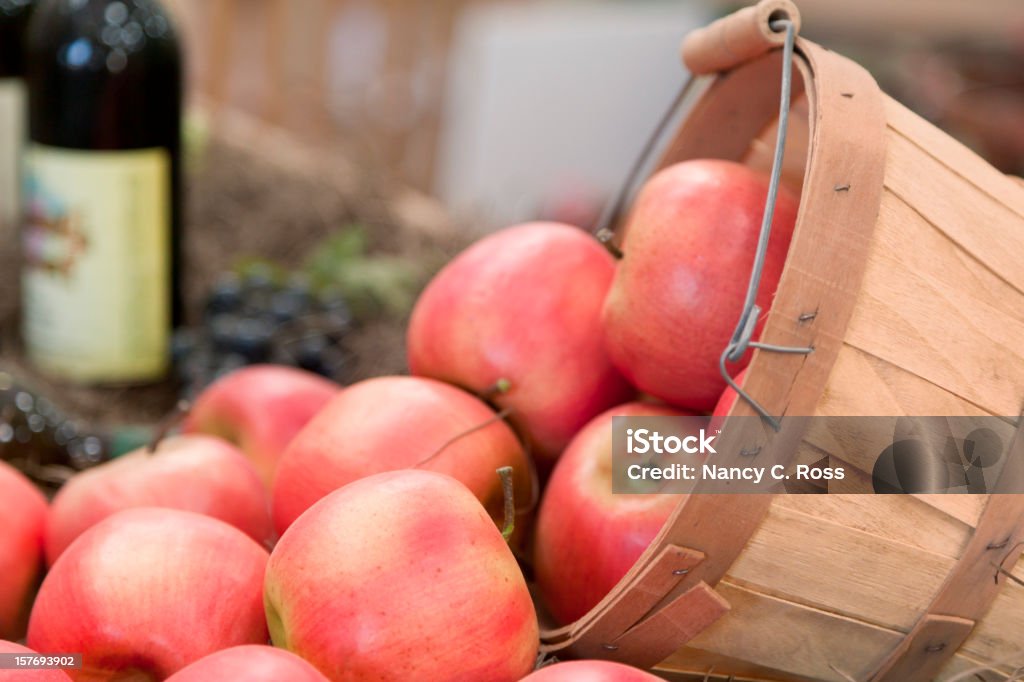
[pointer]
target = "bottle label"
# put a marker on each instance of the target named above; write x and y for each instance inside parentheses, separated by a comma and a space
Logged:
(97, 282)
(12, 133)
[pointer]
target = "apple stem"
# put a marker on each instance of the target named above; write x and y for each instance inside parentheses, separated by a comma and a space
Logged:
(483, 425)
(168, 423)
(510, 502)
(605, 236)
(497, 388)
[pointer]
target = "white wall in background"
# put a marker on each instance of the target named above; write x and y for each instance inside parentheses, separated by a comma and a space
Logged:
(550, 98)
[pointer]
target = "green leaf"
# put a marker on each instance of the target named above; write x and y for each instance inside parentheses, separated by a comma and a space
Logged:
(373, 285)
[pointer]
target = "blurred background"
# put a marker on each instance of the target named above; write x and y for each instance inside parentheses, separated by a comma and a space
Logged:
(348, 148)
(511, 110)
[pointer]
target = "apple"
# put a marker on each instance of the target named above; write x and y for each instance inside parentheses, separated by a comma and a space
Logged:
(588, 537)
(524, 306)
(399, 422)
(196, 473)
(401, 576)
(590, 671)
(679, 288)
(148, 591)
(252, 663)
(260, 408)
(25, 675)
(23, 520)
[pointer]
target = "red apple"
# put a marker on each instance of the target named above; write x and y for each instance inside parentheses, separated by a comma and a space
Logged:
(195, 473)
(26, 675)
(679, 289)
(260, 408)
(23, 524)
(393, 423)
(524, 305)
(148, 591)
(588, 537)
(251, 663)
(401, 576)
(590, 671)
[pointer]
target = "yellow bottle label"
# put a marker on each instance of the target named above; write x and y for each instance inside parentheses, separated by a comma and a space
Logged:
(96, 281)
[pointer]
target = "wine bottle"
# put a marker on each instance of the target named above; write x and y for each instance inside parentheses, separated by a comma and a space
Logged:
(102, 237)
(13, 22)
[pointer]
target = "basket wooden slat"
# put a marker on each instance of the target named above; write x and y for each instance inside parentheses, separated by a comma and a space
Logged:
(815, 641)
(895, 392)
(955, 156)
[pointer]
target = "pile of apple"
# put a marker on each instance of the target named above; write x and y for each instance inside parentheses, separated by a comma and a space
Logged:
(360, 529)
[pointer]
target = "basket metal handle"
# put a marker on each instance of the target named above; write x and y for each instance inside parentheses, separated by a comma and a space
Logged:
(730, 41)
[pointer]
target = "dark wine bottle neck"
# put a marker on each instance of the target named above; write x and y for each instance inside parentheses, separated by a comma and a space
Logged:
(14, 16)
(104, 74)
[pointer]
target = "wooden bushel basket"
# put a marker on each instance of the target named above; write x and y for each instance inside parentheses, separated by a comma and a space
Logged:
(906, 276)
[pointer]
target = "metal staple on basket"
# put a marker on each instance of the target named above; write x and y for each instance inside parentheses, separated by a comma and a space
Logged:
(742, 338)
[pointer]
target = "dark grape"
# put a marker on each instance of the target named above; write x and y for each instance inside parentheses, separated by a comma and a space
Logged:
(252, 339)
(224, 330)
(288, 304)
(255, 317)
(226, 296)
